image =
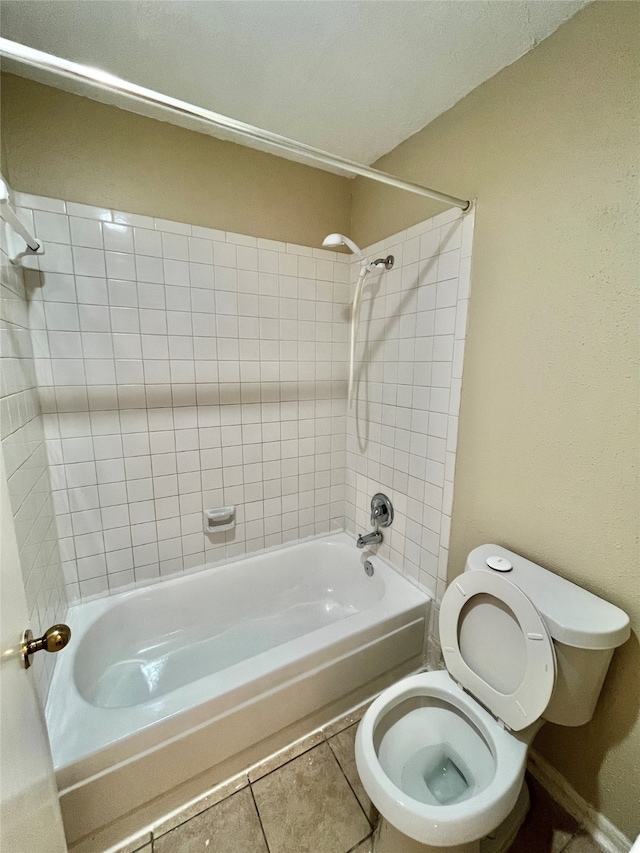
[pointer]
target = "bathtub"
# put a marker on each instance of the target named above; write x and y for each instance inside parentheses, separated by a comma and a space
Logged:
(199, 676)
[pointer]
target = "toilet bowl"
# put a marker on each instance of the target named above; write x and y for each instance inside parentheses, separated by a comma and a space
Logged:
(437, 765)
(442, 754)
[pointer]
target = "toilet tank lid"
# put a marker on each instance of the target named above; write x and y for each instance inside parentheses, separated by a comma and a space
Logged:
(572, 615)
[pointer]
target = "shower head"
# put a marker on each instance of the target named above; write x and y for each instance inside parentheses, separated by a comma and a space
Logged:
(334, 240)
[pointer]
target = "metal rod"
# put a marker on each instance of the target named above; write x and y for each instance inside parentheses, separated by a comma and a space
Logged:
(10, 216)
(103, 80)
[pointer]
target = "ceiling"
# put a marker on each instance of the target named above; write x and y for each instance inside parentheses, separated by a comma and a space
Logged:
(354, 77)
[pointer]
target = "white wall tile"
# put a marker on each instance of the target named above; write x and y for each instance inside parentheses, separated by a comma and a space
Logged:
(147, 242)
(86, 232)
(57, 259)
(215, 234)
(88, 211)
(94, 318)
(119, 265)
(412, 388)
(89, 262)
(51, 227)
(149, 269)
(30, 483)
(61, 317)
(134, 219)
(214, 365)
(91, 291)
(37, 202)
(175, 246)
(172, 227)
(224, 254)
(117, 237)
(200, 251)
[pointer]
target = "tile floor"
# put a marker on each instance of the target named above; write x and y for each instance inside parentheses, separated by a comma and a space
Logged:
(309, 799)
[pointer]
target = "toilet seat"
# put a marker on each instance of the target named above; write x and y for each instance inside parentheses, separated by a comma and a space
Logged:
(527, 646)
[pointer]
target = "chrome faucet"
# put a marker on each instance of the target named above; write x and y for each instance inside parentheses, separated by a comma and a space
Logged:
(381, 516)
(368, 539)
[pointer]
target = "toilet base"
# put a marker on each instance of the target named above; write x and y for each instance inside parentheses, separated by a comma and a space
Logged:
(501, 839)
(388, 839)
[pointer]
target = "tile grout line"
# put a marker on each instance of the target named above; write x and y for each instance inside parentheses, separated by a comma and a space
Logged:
(372, 828)
(255, 805)
(355, 847)
(325, 739)
(351, 786)
(284, 763)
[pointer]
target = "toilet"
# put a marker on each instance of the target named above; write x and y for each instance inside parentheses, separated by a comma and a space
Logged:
(442, 754)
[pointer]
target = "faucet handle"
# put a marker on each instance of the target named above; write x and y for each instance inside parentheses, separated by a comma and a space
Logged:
(381, 511)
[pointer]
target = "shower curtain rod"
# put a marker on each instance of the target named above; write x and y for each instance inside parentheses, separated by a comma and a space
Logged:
(105, 81)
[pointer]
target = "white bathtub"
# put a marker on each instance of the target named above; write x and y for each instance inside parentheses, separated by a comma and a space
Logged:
(214, 669)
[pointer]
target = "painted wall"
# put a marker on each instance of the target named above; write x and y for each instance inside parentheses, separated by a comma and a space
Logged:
(25, 465)
(548, 444)
(548, 423)
(65, 146)
(183, 369)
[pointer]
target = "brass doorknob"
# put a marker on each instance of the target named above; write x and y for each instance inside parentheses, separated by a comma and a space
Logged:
(53, 640)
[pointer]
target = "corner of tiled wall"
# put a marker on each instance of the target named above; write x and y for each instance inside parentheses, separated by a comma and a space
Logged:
(25, 458)
(403, 423)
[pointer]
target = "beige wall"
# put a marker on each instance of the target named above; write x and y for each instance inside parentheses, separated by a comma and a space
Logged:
(548, 437)
(548, 443)
(65, 146)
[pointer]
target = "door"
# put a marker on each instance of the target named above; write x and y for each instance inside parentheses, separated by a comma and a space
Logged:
(30, 819)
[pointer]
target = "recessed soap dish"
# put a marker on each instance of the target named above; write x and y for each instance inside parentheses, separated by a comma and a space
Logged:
(219, 519)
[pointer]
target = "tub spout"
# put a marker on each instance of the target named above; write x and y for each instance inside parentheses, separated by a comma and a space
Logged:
(372, 538)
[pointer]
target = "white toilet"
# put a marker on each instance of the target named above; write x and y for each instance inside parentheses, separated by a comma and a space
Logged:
(442, 755)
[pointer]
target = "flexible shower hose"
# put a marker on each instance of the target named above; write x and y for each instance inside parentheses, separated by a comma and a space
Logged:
(354, 319)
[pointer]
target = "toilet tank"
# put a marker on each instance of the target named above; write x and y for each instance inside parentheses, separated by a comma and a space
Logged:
(585, 630)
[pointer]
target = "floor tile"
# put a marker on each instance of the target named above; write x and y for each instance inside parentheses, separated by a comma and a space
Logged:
(343, 746)
(547, 828)
(285, 755)
(231, 826)
(215, 795)
(365, 847)
(307, 806)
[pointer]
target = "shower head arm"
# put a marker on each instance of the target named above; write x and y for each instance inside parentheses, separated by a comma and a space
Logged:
(381, 264)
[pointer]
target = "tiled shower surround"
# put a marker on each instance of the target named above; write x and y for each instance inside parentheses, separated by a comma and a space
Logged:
(403, 423)
(182, 368)
(25, 463)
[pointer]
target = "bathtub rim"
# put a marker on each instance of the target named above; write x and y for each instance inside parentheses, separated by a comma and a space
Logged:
(116, 750)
